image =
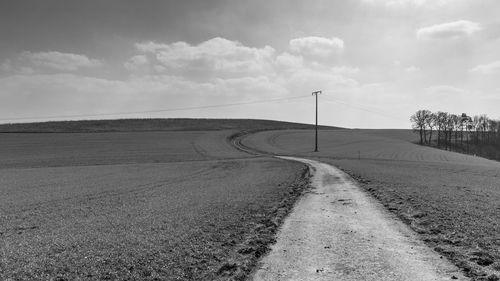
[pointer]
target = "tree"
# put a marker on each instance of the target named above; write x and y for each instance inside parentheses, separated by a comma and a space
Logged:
(418, 122)
(483, 126)
(430, 122)
(478, 134)
(475, 127)
(441, 120)
(463, 122)
(455, 119)
(469, 126)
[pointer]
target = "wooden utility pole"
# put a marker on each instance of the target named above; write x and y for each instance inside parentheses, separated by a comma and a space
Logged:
(316, 127)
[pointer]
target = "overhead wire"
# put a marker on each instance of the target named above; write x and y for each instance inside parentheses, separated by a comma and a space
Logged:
(156, 110)
(326, 97)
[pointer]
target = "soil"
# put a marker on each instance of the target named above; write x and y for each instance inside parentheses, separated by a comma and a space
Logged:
(138, 206)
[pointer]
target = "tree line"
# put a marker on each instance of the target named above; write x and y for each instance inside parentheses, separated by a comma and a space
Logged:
(456, 132)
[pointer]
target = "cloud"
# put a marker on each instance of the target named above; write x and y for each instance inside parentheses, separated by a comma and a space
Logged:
(136, 62)
(58, 60)
(447, 30)
(289, 61)
(217, 57)
(489, 68)
(230, 65)
(177, 74)
(8, 67)
(317, 48)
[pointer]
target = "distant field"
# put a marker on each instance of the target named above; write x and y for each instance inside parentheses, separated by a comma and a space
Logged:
(138, 205)
(70, 149)
(142, 125)
(451, 199)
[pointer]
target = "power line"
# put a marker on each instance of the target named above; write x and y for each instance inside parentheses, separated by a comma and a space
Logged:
(157, 110)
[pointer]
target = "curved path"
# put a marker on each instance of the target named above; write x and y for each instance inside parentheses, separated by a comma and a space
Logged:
(336, 232)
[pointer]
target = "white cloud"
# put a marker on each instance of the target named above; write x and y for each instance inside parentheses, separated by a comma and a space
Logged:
(217, 57)
(289, 61)
(454, 29)
(136, 62)
(58, 60)
(231, 66)
(178, 74)
(488, 68)
(317, 47)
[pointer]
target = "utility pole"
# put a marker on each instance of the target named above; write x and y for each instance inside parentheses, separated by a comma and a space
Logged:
(316, 127)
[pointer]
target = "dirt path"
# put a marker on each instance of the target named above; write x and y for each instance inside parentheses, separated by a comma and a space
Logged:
(337, 232)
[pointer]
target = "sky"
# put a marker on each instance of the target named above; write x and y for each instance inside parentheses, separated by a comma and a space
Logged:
(376, 62)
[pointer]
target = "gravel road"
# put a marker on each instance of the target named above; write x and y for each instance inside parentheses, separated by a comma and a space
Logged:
(337, 232)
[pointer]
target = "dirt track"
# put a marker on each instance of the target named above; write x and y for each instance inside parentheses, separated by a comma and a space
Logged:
(338, 233)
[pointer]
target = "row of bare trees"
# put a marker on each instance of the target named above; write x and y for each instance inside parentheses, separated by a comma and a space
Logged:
(448, 131)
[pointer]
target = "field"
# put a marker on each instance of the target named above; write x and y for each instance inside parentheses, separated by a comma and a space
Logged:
(166, 205)
(147, 125)
(176, 202)
(450, 199)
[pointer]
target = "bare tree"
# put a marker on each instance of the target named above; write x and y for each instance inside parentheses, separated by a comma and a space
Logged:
(455, 119)
(431, 122)
(418, 122)
(475, 128)
(483, 125)
(478, 134)
(463, 122)
(494, 126)
(442, 118)
(469, 125)
(450, 124)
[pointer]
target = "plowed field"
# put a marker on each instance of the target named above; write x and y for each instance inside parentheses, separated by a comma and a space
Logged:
(137, 206)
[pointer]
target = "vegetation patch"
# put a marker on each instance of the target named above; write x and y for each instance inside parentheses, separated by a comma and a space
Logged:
(474, 135)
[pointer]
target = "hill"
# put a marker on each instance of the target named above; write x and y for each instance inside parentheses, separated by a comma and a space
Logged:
(141, 125)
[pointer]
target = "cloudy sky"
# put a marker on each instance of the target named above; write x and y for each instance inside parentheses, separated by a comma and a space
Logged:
(376, 61)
